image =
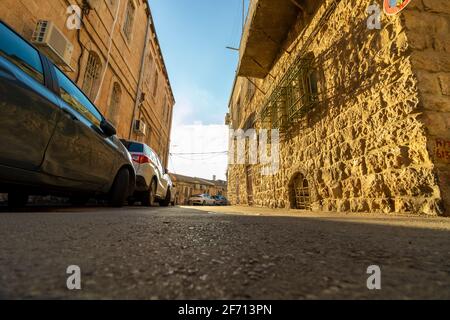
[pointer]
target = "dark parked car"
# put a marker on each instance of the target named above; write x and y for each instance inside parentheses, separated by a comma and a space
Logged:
(221, 200)
(53, 140)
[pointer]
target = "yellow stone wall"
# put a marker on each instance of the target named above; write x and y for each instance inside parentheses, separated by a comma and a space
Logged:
(369, 145)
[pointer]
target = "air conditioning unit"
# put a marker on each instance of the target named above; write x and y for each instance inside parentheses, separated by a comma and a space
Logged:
(140, 127)
(53, 43)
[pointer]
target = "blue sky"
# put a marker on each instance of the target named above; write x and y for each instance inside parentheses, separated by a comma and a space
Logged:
(193, 35)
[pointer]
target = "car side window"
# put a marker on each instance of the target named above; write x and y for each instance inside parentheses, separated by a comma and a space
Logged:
(20, 53)
(77, 100)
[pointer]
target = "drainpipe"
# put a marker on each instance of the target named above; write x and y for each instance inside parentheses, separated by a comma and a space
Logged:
(141, 75)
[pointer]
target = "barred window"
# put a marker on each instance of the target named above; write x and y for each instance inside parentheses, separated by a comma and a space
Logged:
(148, 79)
(250, 91)
(92, 76)
(129, 20)
(155, 84)
(114, 106)
(297, 94)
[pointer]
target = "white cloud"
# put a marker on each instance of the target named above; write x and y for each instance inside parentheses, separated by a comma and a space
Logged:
(197, 150)
(197, 139)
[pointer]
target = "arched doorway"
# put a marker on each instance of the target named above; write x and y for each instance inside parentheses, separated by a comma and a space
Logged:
(300, 193)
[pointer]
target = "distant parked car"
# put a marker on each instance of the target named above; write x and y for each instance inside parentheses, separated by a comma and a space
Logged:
(220, 200)
(202, 199)
(153, 183)
(53, 140)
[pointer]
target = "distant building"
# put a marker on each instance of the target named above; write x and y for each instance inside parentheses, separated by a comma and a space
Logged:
(363, 113)
(134, 93)
(188, 186)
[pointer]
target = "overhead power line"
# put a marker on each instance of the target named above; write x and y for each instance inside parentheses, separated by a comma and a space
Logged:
(198, 153)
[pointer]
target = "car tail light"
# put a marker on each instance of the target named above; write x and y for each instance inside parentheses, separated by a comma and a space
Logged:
(140, 158)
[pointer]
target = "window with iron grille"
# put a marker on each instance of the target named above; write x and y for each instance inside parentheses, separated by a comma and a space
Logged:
(115, 103)
(295, 95)
(155, 84)
(91, 80)
(250, 90)
(129, 20)
(165, 109)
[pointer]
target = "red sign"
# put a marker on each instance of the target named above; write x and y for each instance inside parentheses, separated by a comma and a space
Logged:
(392, 7)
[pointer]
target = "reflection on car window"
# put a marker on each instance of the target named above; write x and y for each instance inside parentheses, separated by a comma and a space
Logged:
(77, 100)
(24, 56)
(134, 147)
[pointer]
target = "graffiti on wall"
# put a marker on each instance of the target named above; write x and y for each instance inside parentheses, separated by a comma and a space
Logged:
(442, 149)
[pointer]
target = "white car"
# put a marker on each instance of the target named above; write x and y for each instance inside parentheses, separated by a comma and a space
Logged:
(153, 183)
(202, 199)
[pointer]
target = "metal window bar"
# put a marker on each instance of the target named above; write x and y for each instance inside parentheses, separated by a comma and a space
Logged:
(293, 97)
(92, 76)
(129, 19)
(115, 103)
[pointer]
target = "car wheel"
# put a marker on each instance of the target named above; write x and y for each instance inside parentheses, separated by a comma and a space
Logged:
(166, 201)
(17, 199)
(148, 199)
(204, 203)
(131, 202)
(119, 190)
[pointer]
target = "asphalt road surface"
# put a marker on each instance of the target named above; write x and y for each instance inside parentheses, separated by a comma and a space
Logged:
(220, 253)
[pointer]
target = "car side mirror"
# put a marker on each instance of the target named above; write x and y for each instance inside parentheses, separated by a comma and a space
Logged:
(107, 128)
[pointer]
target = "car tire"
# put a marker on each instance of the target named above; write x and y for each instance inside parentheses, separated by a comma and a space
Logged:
(166, 201)
(131, 202)
(119, 190)
(148, 198)
(204, 203)
(17, 199)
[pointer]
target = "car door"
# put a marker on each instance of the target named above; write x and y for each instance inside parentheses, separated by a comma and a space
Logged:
(79, 150)
(28, 109)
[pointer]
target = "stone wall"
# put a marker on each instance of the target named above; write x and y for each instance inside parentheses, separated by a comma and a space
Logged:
(366, 147)
(427, 25)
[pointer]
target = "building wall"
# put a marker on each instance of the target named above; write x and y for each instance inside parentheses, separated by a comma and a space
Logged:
(124, 64)
(427, 24)
(366, 147)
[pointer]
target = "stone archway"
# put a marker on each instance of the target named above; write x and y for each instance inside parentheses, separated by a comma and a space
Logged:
(299, 192)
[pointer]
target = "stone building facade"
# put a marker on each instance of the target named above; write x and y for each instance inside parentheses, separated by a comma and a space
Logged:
(188, 186)
(363, 113)
(116, 60)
